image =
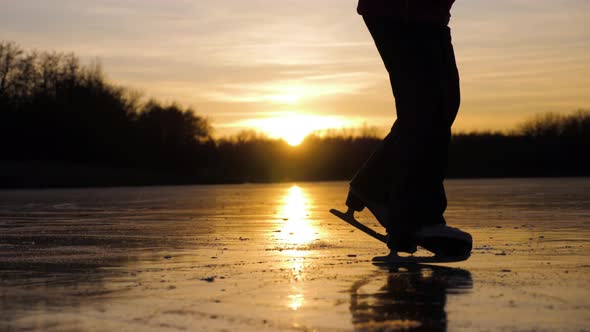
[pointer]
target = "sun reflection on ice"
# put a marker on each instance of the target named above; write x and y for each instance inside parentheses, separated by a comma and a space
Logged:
(296, 233)
(297, 228)
(295, 301)
(297, 298)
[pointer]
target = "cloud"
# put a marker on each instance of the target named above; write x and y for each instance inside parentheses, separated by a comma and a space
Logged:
(236, 60)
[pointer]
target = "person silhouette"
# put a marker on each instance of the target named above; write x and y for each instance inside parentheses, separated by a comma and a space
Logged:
(402, 181)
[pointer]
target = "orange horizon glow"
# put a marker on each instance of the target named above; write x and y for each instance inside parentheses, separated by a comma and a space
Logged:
(243, 64)
(294, 127)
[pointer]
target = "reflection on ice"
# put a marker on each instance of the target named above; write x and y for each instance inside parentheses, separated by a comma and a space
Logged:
(295, 301)
(297, 229)
(406, 298)
(249, 258)
(297, 268)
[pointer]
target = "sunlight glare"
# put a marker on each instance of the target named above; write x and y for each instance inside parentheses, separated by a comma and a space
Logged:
(297, 229)
(293, 127)
(296, 232)
(285, 98)
(295, 301)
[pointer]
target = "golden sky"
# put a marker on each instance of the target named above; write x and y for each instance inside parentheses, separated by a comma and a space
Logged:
(309, 63)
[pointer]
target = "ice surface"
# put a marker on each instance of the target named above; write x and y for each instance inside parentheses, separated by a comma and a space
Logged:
(271, 257)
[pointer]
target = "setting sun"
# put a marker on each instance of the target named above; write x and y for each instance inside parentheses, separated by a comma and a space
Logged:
(294, 127)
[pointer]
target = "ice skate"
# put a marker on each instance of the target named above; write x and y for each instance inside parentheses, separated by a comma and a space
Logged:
(348, 216)
(448, 245)
(446, 241)
(357, 202)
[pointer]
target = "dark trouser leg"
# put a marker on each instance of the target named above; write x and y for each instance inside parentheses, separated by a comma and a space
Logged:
(408, 168)
(374, 178)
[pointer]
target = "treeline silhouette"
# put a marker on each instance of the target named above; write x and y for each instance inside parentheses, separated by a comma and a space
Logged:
(63, 124)
(550, 144)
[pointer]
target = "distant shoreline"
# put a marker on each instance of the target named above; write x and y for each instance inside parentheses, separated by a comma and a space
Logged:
(41, 175)
(65, 125)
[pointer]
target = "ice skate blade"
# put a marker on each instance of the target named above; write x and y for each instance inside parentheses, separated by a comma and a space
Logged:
(395, 259)
(349, 218)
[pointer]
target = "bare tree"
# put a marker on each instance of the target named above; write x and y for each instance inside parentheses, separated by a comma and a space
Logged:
(9, 54)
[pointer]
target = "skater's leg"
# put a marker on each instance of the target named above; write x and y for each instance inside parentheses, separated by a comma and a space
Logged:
(372, 180)
(413, 157)
(429, 98)
(371, 186)
(426, 97)
(425, 84)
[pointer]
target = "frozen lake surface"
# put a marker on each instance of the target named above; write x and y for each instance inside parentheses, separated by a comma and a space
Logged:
(271, 257)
